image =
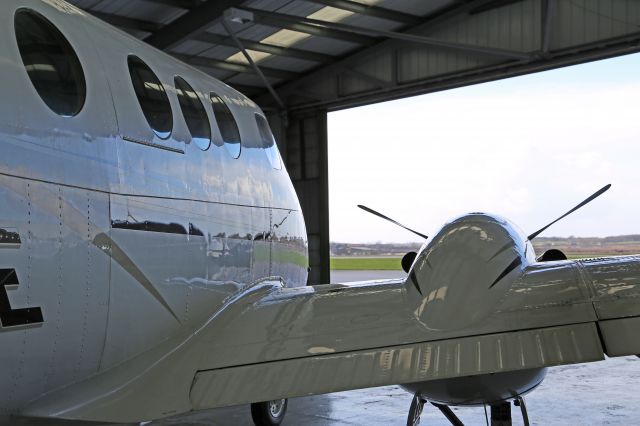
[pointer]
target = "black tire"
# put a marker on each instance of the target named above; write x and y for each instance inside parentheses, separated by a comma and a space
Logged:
(269, 413)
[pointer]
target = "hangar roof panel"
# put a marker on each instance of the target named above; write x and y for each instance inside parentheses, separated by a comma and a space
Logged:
(149, 11)
(292, 7)
(327, 46)
(218, 52)
(293, 64)
(371, 50)
(249, 80)
(191, 47)
(418, 8)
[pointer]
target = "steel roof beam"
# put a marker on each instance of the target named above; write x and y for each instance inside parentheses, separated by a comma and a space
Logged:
(369, 78)
(549, 10)
(289, 52)
(253, 65)
(495, 4)
(335, 68)
(461, 9)
(193, 22)
(374, 11)
(304, 25)
(245, 89)
(335, 27)
(180, 4)
(128, 23)
(201, 61)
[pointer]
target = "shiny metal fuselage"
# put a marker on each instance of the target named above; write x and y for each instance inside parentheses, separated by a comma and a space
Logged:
(212, 224)
(173, 279)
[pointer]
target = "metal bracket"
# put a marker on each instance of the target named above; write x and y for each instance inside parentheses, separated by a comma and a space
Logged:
(237, 15)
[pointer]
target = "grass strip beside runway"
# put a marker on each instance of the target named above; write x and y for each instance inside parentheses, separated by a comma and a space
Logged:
(393, 263)
(365, 264)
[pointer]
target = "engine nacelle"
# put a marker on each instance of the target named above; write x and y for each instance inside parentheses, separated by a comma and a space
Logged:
(463, 272)
(481, 389)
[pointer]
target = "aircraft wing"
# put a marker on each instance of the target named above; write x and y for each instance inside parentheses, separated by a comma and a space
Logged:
(416, 362)
(271, 342)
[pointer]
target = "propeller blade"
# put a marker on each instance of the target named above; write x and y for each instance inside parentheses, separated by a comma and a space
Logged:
(588, 200)
(367, 209)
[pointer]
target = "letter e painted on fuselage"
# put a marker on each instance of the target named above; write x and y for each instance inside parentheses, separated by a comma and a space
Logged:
(15, 317)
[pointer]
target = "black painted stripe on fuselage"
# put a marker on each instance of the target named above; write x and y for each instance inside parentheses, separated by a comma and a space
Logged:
(178, 229)
(9, 238)
(150, 226)
(113, 250)
(513, 265)
(414, 280)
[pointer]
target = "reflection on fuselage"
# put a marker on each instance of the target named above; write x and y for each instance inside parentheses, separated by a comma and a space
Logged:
(124, 245)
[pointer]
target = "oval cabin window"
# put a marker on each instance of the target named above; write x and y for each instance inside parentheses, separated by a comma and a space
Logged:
(51, 63)
(152, 97)
(268, 142)
(227, 124)
(194, 114)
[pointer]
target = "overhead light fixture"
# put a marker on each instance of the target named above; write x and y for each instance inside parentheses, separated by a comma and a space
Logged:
(286, 38)
(238, 16)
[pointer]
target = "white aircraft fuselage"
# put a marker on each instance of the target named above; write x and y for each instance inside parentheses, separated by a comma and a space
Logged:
(144, 274)
(121, 244)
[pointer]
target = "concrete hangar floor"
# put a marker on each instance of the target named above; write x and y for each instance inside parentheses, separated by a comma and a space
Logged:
(601, 393)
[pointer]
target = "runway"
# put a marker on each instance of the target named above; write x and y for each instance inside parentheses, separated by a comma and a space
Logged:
(348, 276)
(596, 394)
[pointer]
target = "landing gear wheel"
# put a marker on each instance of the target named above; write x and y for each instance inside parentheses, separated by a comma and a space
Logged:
(501, 414)
(417, 403)
(269, 413)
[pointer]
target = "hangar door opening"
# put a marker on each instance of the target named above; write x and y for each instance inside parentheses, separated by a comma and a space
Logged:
(527, 148)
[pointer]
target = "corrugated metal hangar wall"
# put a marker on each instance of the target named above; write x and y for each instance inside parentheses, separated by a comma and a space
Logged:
(300, 59)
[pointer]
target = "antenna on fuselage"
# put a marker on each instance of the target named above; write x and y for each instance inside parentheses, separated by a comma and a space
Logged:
(582, 204)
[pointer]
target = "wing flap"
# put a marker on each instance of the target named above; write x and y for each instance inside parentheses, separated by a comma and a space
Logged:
(424, 361)
(620, 336)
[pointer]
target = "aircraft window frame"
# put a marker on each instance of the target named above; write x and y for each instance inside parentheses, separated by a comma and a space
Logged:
(227, 124)
(268, 141)
(161, 126)
(188, 99)
(69, 80)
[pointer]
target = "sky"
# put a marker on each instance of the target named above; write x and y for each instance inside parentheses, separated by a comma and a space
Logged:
(526, 148)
